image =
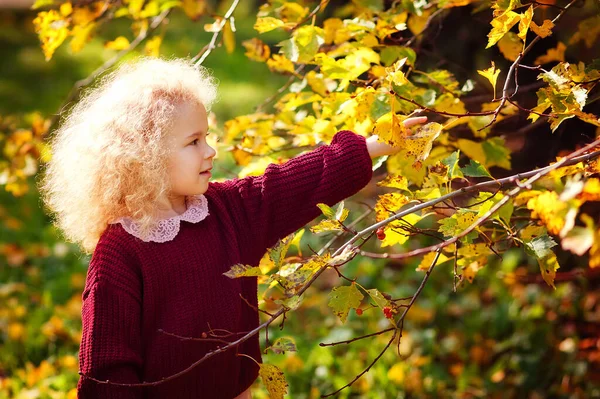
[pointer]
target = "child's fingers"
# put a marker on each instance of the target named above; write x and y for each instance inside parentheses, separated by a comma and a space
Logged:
(415, 121)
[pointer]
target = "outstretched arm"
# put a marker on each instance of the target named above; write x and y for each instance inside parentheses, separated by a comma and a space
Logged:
(283, 199)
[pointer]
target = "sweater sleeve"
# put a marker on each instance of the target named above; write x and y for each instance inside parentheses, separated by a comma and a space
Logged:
(111, 338)
(285, 197)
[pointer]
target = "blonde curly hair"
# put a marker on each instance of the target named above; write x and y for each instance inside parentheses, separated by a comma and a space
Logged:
(109, 156)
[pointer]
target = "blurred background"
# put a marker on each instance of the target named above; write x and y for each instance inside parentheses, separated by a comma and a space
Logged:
(506, 334)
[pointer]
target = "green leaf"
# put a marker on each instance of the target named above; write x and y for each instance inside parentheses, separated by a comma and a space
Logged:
(342, 299)
(327, 210)
(278, 252)
(448, 226)
(475, 169)
(41, 3)
(304, 44)
(341, 214)
(290, 303)
(378, 297)
(496, 153)
(390, 54)
(240, 270)
(282, 345)
(452, 163)
(540, 246)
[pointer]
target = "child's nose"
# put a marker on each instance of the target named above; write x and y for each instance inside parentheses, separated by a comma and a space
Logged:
(211, 152)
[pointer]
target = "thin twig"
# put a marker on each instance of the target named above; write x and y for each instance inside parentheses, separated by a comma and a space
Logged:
(516, 63)
(206, 50)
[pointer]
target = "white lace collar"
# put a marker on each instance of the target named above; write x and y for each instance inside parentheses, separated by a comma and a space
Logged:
(167, 229)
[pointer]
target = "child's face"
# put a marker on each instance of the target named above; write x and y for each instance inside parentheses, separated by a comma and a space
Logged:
(191, 156)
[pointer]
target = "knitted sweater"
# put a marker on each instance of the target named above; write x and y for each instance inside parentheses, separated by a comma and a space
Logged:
(135, 288)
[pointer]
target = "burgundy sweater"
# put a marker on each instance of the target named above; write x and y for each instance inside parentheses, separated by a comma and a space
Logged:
(134, 288)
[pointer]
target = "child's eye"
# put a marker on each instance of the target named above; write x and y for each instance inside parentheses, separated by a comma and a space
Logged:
(192, 143)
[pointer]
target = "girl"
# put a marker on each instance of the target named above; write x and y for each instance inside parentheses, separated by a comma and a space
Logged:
(129, 182)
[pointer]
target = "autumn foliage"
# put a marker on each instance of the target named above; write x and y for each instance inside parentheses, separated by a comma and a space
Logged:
(506, 164)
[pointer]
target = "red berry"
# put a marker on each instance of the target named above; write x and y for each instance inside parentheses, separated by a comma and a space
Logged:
(387, 311)
(380, 234)
(359, 311)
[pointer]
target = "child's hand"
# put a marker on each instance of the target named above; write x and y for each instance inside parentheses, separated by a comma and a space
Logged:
(377, 149)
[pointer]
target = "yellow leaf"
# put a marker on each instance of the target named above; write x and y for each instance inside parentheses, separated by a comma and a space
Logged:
(66, 9)
(266, 24)
(152, 47)
(81, 35)
(510, 46)
(391, 129)
(327, 226)
(591, 190)
(416, 23)
(292, 12)
(501, 25)
(428, 259)
(550, 210)
(553, 54)
(491, 74)
(397, 374)
(588, 118)
(274, 380)
(588, 31)
(396, 233)
(548, 266)
(418, 145)
(448, 103)
(255, 168)
(387, 204)
(471, 270)
(544, 30)
(335, 31)
(229, 37)
(524, 23)
(278, 63)
(193, 8)
(120, 43)
(52, 30)
(83, 16)
(394, 181)
(256, 49)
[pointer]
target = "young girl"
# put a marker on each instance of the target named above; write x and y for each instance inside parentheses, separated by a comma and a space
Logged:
(129, 182)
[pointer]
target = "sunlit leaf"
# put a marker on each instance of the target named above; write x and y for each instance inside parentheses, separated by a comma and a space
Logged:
(510, 46)
(553, 54)
(256, 49)
(120, 43)
(152, 47)
(491, 74)
(266, 24)
(475, 169)
(240, 270)
(548, 267)
(524, 23)
(342, 299)
(542, 31)
(274, 380)
(501, 25)
(282, 345)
